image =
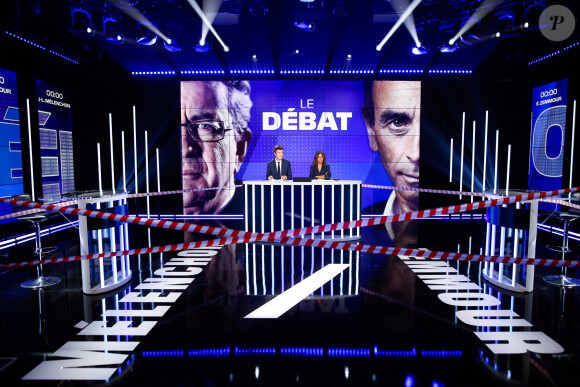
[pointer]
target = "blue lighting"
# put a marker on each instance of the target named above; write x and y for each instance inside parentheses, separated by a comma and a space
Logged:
(41, 47)
(442, 71)
(394, 353)
(153, 73)
(302, 351)
(409, 381)
(554, 53)
(255, 351)
(210, 352)
(349, 352)
(167, 353)
(202, 72)
(401, 71)
(444, 353)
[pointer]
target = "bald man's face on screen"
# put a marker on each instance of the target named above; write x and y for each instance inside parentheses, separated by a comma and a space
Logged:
(395, 133)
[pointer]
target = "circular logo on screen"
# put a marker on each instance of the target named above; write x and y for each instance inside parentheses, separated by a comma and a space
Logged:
(557, 23)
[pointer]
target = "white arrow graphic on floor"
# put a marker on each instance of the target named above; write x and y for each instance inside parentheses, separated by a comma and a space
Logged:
(285, 301)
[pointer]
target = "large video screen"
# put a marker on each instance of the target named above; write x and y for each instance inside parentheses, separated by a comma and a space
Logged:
(56, 144)
(10, 145)
(368, 131)
(548, 135)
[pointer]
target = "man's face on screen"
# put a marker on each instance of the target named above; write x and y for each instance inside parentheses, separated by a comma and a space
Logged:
(395, 135)
(206, 164)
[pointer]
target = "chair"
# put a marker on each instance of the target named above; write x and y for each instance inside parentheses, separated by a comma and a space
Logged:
(37, 218)
(562, 280)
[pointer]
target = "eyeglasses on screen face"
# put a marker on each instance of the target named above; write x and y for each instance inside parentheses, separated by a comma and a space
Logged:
(206, 131)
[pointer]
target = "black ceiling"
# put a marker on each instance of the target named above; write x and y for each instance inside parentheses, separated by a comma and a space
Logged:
(267, 29)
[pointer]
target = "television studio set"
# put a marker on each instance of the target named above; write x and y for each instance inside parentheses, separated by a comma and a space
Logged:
(289, 192)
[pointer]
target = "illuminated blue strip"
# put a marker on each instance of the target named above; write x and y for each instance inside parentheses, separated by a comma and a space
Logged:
(394, 353)
(31, 236)
(170, 353)
(40, 47)
(252, 72)
(445, 353)
(560, 232)
(554, 53)
(210, 352)
(444, 71)
(153, 73)
(334, 352)
(255, 351)
(302, 351)
(349, 352)
(401, 71)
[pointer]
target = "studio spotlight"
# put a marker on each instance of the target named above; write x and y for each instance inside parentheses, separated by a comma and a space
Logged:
(145, 37)
(202, 47)
(497, 34)
(349, 57)
(452, 46)
(532, 13)
(339, 10)
(226, 49)
(255, 58)
(90, 31)
(259, 8)
(305, 26)
(170, 46)
(419, 50)
(81, 21)
(296, 52)
(112, 31)
(526, 25)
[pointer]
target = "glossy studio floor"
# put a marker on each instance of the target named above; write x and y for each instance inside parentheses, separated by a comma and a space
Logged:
(374, 321)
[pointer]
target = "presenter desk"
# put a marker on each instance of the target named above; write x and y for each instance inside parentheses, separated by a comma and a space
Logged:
(276, 205)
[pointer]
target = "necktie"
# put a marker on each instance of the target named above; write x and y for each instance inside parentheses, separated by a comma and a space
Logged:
(279, 173)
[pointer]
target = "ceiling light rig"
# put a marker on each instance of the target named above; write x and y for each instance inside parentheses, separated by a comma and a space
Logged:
(419, 49)
(398, 23)
(305, 26)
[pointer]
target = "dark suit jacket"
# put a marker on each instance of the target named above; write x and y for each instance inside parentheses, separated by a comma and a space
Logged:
(284, 166)
(325, 170)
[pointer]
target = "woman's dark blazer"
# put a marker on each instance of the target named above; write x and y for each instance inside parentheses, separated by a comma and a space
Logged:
(325, 170)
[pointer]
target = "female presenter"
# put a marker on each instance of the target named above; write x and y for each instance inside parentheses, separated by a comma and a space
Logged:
(319, 169)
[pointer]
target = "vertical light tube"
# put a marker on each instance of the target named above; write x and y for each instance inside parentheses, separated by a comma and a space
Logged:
(495, 167)
(123, 156)
(99, 167)
(462, 149)
(451, 162)
(112, 157)
(472, 161)
(484, 153)
(572, 150)
(147, 188)
(507, 183)
(33, 196)
(147, 172)
(158, 172)
(135, 149)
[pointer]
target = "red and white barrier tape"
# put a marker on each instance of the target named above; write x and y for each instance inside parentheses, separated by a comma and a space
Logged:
(562, 202)
(179, 191)
(307, 242)
(437, 191)
(225, 232)
(34, 211)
